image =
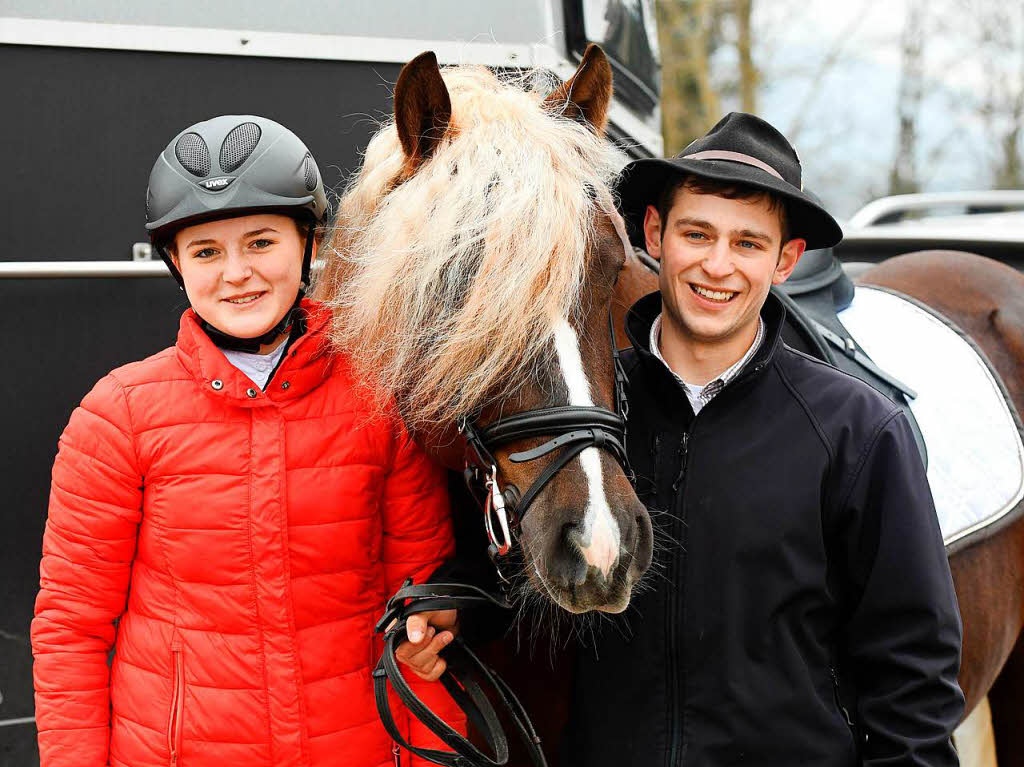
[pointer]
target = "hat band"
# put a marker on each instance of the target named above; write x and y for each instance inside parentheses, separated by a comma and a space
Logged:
(746, 159)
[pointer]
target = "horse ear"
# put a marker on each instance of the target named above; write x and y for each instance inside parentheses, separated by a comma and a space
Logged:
(423, 109)
(585, 96)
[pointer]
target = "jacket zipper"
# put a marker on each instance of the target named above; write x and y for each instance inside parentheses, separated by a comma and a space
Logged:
(839, 700)
(177, 706)
(677, 677)
(675, 611)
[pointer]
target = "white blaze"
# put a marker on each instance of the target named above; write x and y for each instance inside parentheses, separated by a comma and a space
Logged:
(599, 543)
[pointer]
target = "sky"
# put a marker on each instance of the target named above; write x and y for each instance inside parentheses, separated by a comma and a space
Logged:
(843, 118)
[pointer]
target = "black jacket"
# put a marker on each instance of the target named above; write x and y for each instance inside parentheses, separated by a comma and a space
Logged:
(800, 610)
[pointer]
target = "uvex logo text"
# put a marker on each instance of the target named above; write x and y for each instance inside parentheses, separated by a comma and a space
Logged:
(217, 183)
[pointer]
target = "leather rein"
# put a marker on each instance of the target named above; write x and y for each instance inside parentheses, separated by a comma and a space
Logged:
(570, 429)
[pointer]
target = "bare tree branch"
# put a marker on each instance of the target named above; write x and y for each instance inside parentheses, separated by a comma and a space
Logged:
(833, 57)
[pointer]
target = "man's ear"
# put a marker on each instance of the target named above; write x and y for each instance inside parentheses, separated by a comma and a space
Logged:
(788, 259)
(652, 232)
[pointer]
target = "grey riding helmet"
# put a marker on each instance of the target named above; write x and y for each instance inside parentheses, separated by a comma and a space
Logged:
(231, 165)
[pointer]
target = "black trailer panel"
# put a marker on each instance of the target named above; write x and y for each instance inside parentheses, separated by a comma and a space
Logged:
(80, 132)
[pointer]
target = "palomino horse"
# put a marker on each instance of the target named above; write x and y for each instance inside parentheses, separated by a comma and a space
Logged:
(474, 265)
(473, 269)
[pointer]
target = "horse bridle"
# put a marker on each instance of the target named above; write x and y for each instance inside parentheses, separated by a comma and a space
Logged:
(574, 427)
(570, 428)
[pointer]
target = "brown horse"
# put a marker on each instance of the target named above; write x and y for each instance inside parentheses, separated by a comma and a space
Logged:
(986, 300)
(472, 276)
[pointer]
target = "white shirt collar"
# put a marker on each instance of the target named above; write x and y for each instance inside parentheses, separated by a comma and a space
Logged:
(699, 395)
(257, 367)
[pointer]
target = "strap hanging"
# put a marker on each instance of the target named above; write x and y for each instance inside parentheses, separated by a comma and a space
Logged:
(466, 679)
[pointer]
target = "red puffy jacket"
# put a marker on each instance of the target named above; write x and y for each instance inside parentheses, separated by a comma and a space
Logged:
(235, 546)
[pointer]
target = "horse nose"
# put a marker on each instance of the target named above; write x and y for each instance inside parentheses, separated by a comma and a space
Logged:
(597, 543)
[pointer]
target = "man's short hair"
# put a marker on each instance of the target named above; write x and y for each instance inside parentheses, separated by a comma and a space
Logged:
(728, 189)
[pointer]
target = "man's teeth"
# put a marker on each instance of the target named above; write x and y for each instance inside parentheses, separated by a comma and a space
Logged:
(714, 295)
(245, 299)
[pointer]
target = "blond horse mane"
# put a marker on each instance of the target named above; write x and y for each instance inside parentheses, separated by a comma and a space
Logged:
(446, 285)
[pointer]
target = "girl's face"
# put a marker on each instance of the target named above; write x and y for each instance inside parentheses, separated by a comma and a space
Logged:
(241, 274)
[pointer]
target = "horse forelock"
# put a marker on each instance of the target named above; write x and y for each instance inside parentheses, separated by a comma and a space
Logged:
(447, 284)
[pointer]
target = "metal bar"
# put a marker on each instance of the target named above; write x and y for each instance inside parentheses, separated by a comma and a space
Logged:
(904, 203)
(925, 236)
(48, 270)
(21, 720)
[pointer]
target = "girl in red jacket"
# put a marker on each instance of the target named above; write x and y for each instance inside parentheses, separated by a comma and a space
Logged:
(228, 515)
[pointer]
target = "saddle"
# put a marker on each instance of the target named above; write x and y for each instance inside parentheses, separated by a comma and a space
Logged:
(814, 295)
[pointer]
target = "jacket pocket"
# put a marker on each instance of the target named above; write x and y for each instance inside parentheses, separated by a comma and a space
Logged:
(174, 721)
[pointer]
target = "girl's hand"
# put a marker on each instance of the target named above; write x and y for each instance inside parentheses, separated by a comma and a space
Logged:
(428, 633)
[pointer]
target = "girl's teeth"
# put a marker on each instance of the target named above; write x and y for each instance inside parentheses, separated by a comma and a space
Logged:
(244, 299)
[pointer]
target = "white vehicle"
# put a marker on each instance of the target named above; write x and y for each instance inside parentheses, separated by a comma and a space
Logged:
(990, 223)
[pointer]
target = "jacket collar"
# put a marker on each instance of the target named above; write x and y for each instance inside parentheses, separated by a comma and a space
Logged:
(305, 365)
(642, 314)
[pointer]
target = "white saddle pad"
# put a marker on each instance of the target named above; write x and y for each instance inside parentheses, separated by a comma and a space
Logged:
(975, 455)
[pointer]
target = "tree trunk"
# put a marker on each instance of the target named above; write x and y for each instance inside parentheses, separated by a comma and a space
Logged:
(749, 76)
(689, 103)
(903, 174)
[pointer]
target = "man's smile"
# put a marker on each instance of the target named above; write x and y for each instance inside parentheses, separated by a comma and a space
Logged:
(717, 296)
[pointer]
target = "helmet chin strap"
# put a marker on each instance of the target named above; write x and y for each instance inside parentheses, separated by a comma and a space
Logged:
(234, 343)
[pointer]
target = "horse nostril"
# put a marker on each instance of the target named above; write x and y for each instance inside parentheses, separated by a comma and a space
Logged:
(571, 535)
(566, 566)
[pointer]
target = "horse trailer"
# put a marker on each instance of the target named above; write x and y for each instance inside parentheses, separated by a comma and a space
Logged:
(93, 91)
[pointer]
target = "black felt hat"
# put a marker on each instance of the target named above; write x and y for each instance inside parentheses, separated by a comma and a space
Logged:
(741, 149)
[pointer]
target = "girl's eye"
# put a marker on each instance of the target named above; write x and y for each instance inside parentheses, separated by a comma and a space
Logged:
(204, 253)
(260, 244)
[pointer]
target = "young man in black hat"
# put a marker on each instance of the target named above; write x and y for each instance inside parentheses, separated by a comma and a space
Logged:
(801, 609)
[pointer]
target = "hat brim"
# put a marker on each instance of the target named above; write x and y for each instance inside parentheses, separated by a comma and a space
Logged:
(641, 182)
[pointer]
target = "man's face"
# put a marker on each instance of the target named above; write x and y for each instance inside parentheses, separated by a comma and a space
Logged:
(241, 274)
(719, 257)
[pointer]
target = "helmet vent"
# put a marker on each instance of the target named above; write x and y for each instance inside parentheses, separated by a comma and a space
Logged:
(193, 154)
(309, 170)
(238, 145)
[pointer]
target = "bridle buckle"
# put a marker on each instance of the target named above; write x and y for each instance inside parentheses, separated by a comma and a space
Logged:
(496, 509)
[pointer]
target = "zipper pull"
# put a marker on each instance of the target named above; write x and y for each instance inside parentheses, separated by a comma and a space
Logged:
(397, 753)
(682, 464)
(839, 702)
